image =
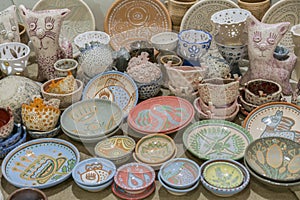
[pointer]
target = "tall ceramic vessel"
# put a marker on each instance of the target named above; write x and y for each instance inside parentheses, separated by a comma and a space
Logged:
(296, 39)
(9, 29)
(43, 28)
(257, 7)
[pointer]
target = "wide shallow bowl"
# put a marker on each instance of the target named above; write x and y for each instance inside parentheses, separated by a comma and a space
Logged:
(6, 122)
(57, 157)
(45, 134)
(13, 138)
(94, 172)
(27, 194)
(271, 157)
(134, 177)
(91, 118)
(155, 148)
(96, 188)
(225, 192)
(88, 38)
(180, 173)
(213, 139)
(165, 41)
(115, 86)
(165, 114)
(121, 193)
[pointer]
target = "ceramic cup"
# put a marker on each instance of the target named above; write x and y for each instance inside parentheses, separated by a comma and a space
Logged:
(27, 194)
(65, 66)
(6, 122)
(165, 41)
(174, 59)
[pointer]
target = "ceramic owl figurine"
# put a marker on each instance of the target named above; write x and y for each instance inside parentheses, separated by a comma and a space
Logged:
(262, 41)
(9, 29)
(43, 29)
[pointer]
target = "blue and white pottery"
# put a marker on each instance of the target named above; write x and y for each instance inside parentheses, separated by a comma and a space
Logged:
(96, 188)
(40, 163)
(45, 134)
(13, 138)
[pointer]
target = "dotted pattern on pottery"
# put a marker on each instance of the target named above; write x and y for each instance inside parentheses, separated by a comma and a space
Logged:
(148, 91)
(232, 54)
(6, 130)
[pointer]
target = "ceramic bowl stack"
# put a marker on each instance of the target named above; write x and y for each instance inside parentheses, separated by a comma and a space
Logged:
(154, 150)
(94, 174)
(45, 134)
(134, 181)
(179, 176)
(274, 161)
(91, 120)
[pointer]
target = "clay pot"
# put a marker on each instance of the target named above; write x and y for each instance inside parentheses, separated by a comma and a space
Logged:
(177, 9)
(257, 7)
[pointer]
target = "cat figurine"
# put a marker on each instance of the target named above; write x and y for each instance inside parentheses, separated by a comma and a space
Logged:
(9, 29)
(43, 28)
(262, 41)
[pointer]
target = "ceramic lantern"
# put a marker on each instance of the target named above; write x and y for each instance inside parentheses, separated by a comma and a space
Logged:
(9, 29)
(262, 41)
(43, 28)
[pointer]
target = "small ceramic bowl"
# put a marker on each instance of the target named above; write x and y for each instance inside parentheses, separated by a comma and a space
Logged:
(260, 91)
(65, 66)
(165, 41)
(96, 188)
(6, 122)
(281, 53)
(221, 191)
(13, 138)
(45, 134)
(245, 105)
(174, 59)
(232, 53)
(27, 194)
(149, 90)
(180, 173)
(91, 37)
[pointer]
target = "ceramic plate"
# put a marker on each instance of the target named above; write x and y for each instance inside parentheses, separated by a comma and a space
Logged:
(115, 86)
(199, 15)
(124, 15)
(161, 114)
(119, 192)
(275, 158)
(279, 119)
(155, 148)
(79, 20)
(284, 11)
(216, 139)
(40, 163)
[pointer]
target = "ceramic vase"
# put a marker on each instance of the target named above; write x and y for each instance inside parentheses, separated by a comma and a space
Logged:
(43, 28)
(9, 29)
(258, 8)
(296, 39)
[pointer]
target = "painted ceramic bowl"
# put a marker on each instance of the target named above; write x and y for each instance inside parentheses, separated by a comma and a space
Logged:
(149, 90)
(174, 59)
(6, 122)
(221, 191)
(165, 41)
(271, 157)
(88, 38)
(94, 172)
(244, 104)
(65, 66)
(281, 53)
(155, 148)
(117, 148)
(96, 188)
(134, 177)
(180, 173)
(213, 139)
(260, 91)
(13, 138)
(27, 194)
(86, 118)
(232, 53)
(45, 134)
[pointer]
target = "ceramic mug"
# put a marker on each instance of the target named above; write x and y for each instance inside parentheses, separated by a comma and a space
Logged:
(65, 66)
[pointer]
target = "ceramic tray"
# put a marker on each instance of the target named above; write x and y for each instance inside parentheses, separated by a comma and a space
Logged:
(115, 86)
(125, 15)
(214, 139)
(284, 11)
(119, 192)
(40, 163)
(199, 15)
(79, 20)
(279, 119)
(163, 114)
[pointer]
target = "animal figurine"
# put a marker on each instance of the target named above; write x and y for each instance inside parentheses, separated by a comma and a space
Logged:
(262, 41)
(43, 28)
(9, 29)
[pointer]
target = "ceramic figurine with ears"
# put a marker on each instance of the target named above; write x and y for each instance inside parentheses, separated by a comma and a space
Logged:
(43, 28)
(9, 29)
(262, 41)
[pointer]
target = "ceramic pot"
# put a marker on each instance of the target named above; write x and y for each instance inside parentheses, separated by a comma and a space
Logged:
(295, 30)
(258, 8)
(165, 41)
(65, 66)
(174, 59)
(6, 122)
(177, 9)
(27, 194)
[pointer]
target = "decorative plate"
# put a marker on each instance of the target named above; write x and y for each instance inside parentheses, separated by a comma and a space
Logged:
(199, 15)
(155, 148)
(284, 11)
(216, 139)
(40, 163)
(121, 193)
(163, 114)
(280, 119)
(275, 158)
(114, 86)
(79, 20)
(125, 15)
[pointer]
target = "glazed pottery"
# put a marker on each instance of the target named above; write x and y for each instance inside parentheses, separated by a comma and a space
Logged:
(277, 119)
(18, 165)
(248, 107)
(13, 57)
(271, 157)
(149, 90)
(13, 138)
(83, 40)
(219, 92)
(115, 86)
(220, 191)
(259, 91)
(281, 53)
(261, 45)
(165, 114)
(212, 139)
(232, 53)
(165, 41)
(96, 188)
(119, 192)
(174, 59)
(295, 30)
(28, 194)
(44, 33)
(65, 66)
(134, 177)
(180, 173)
(45, 134)
(9, 25)
(155, 148)
(94, 172)
(258, 8)
(6, 122)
